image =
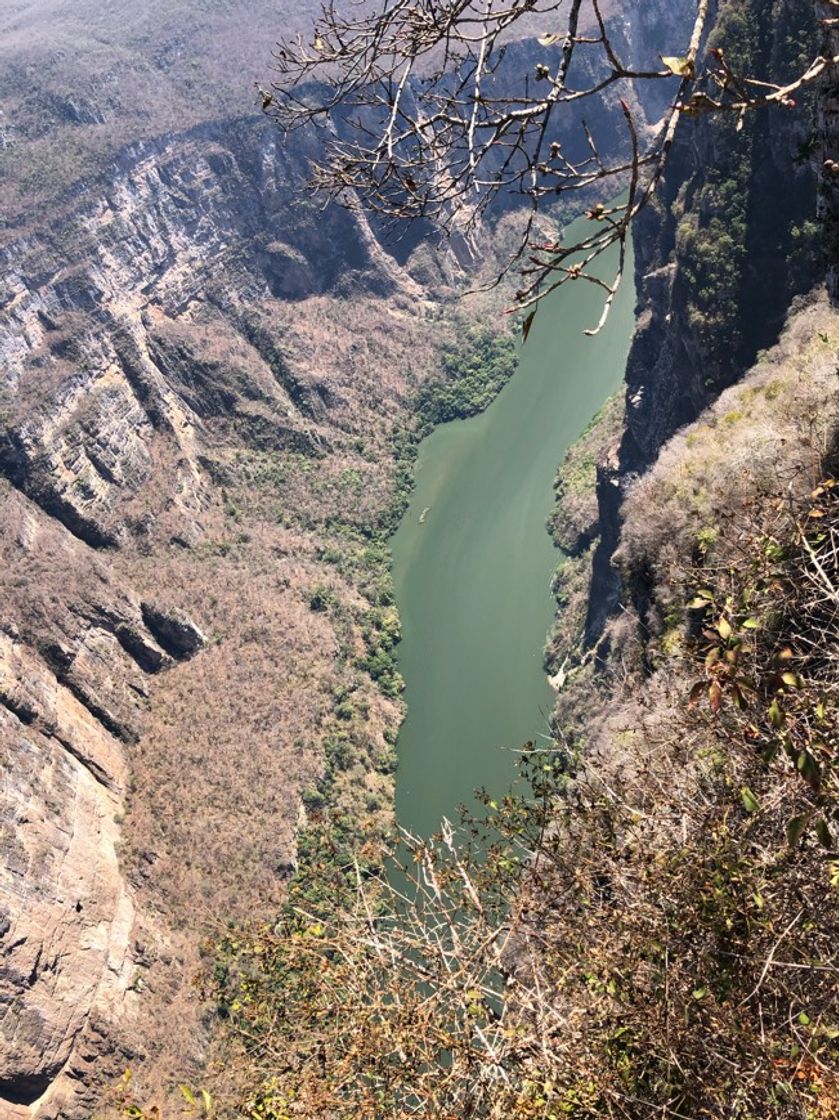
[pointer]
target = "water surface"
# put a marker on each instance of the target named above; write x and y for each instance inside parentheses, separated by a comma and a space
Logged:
(473, 561)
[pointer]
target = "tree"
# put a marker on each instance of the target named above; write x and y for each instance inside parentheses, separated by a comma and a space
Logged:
(426, 113)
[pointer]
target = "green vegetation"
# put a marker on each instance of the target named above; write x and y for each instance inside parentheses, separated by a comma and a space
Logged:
(711, 235)
(381, 635)
(670, 950)
(321, 598)
(348, 806)
(574, 527)
(475, 370)
(744, 208)
(573, 524)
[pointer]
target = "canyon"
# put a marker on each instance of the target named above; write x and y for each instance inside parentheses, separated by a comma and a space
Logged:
(206, 375)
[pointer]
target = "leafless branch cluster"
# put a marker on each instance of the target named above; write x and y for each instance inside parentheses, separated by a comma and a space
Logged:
(431, 110)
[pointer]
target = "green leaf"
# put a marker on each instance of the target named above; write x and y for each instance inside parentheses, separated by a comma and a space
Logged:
(804, 1019)
(809, 769)
(791, 679)
(208, 1102)
(680, 65)
(795, 829)
(823, 833)
(750, 802)
(776, 715)
(724, 629)
(700, 993)
(187, 1094)
(751, 624)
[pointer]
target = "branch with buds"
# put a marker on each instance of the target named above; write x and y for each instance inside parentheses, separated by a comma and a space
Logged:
(423, 116)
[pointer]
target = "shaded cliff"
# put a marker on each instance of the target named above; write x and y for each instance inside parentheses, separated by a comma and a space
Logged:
(731, 238)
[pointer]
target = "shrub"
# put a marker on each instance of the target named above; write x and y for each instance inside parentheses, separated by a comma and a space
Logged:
(647, 937)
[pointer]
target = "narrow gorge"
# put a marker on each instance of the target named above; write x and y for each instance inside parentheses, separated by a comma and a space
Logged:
(280, 556)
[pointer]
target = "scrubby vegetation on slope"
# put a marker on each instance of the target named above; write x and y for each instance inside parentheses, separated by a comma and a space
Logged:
(655, 932)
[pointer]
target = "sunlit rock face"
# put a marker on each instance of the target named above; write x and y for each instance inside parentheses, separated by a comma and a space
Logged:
(136, 342)
(67, 913)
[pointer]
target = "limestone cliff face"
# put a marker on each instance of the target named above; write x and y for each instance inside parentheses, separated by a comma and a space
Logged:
(162, 333)
(190, 220)
(67, 913)
(730, 241)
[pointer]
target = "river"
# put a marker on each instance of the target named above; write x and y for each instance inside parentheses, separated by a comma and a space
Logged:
(473, 561)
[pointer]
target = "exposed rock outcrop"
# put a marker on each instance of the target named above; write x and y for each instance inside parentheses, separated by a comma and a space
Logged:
(67, 913)
(127, 367)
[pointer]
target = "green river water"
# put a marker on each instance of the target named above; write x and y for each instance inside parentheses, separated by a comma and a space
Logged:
(472, 577)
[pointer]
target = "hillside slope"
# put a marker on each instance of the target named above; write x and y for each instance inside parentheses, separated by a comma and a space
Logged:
(202, 372)
(694, 650)
(183, 452)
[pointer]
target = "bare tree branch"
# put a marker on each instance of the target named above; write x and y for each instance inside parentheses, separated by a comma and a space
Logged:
(426, 114)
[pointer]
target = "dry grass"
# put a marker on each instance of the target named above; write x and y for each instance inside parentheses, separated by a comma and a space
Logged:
(768, 434)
